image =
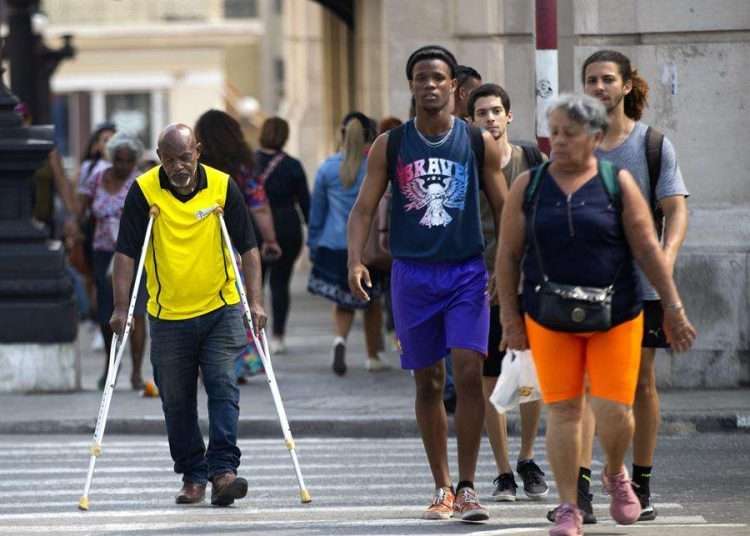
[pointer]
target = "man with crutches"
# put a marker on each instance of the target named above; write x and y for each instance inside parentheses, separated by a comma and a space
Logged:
(194, 320)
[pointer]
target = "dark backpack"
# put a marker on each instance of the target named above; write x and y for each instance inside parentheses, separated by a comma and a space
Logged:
(531, 153)
(654, 141)
(607, 172)
(394, 143)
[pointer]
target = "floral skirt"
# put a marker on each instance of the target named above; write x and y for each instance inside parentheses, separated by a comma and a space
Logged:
(329, 278)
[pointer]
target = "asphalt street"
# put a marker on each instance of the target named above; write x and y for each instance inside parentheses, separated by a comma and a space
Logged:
(359, 486)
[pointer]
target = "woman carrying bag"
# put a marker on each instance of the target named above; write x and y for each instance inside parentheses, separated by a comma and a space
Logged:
(578, 224)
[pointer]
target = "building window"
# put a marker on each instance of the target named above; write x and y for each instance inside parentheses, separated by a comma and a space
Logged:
(60, 118)
(130, 112)
(240, 9)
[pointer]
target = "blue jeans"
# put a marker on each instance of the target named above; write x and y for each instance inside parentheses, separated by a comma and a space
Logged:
(179, 348)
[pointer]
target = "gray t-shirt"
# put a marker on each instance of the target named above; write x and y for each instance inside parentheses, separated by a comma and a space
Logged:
(631, 155)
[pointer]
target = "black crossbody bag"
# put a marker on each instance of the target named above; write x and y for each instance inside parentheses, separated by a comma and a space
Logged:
(573, 308)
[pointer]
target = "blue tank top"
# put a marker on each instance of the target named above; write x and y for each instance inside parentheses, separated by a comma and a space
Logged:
(435, 203)
(582, 242)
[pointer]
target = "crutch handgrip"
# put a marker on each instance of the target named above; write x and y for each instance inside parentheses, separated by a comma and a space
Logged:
(154, 211)
(219, 211)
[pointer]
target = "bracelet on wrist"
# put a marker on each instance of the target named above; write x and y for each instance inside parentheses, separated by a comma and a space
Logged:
(673, 306)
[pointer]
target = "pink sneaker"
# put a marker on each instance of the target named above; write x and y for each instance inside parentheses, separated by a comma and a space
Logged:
(624, 506)
(467, 507)
(568, 521)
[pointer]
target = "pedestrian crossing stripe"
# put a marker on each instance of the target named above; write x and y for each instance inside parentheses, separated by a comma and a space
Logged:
(249, 468)
(358, 492)
(421, 502)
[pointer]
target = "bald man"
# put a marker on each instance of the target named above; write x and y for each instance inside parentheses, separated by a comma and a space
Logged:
(194, 318)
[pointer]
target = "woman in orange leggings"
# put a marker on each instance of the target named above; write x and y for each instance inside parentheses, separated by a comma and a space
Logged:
(578, 222)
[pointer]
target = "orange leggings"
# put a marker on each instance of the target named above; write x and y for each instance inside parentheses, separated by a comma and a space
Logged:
(610, 358)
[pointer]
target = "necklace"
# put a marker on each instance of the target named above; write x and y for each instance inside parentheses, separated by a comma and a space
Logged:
(436, 143)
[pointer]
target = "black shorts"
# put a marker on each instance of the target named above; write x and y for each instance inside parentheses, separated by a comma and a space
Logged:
(653, 332)
(494, 362)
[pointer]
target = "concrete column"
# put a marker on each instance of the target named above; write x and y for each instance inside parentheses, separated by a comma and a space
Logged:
(303, 102)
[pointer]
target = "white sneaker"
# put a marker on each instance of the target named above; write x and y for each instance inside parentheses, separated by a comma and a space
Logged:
(376, 364)
(277, 346)
(97, 343)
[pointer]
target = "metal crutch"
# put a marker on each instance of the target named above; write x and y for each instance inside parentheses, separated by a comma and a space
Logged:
(261, 344)
(115, 357)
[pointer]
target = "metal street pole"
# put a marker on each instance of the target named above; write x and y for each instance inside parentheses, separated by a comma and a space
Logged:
(546, 67)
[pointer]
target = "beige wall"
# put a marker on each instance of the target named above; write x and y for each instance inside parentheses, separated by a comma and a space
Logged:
(187, 68)
(494, 36)
(130, 12)
(703, 46)
(695, 56)
(304, 101)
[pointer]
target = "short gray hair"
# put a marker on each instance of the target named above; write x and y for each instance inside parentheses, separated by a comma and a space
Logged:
(582, 109)
(123, 140)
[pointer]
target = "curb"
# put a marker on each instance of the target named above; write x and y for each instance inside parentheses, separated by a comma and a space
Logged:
(383, 427)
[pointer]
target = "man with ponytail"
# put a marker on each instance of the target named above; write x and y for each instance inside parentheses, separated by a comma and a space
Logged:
(630, 144)
(437, 164)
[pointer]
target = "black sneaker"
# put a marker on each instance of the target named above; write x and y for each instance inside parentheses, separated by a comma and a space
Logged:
(534, 485)
(648, 512)
(505, 488)
(584, 505)
(339, 358)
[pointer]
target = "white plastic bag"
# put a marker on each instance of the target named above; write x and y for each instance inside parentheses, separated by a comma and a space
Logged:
(517, 383)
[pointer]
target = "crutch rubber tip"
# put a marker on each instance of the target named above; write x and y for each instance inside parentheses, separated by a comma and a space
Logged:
(304, 495)
(154, 211)
(83, 504)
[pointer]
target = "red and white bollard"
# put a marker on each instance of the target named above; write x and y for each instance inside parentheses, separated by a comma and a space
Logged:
(546, 67)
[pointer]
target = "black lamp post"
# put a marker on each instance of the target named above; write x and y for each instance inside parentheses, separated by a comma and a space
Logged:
(32, 63)
(36, 294)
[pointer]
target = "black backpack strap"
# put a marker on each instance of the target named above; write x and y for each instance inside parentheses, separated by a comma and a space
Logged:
(654, 142)
(391, 150)
(532, 155)
(477, 145)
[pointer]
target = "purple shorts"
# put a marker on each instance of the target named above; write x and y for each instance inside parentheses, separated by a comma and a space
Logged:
(439, 306)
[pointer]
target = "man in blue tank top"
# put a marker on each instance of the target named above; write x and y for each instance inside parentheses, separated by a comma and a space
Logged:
(438, 279)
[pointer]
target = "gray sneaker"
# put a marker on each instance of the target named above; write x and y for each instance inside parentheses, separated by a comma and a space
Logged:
(505, 488)
(534, 485)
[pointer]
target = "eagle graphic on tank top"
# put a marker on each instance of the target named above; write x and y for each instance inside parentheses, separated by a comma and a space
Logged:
(433, 184)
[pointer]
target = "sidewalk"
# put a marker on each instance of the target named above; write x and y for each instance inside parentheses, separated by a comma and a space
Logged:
(317, 403)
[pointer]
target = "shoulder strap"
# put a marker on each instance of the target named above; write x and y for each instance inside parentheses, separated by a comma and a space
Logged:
(536, 178)
(608, 173)
(654, 141)
(477, 145)
(532, 155)
(275, 161)
(391, 150)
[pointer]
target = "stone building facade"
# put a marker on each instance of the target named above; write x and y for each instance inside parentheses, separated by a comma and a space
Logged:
(695, 54)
